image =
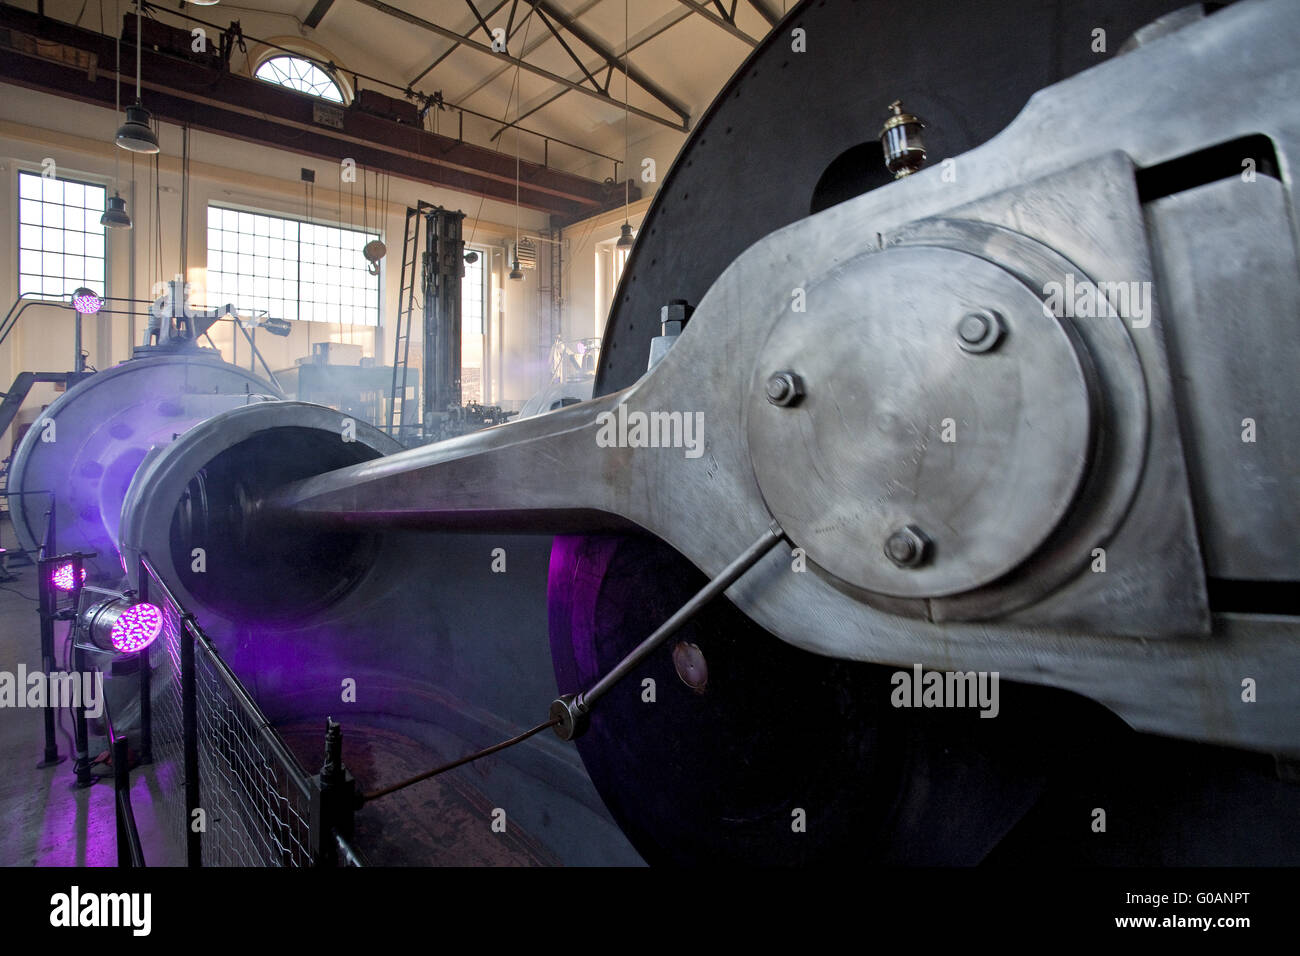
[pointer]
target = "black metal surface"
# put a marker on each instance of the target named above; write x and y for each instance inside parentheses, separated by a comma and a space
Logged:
(717, 777)
(757, 159)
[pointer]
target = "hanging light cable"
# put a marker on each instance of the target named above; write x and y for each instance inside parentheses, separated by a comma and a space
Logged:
(137, 134)
(115, 216)
(516, 272)
(625, 233)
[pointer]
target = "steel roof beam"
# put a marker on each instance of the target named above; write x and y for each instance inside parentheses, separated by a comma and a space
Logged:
(484, 48)
(612, 60)
(713, 18)
(453, 48)
(766, 11)
(659, 27)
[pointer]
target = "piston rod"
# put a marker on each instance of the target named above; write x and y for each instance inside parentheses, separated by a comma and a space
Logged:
(572, 711)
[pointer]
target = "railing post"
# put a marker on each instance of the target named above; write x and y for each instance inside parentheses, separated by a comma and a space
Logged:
(190, 733)
(45, 593)
(146, 689)
(334, 803)
(121, 785)
(81, 767)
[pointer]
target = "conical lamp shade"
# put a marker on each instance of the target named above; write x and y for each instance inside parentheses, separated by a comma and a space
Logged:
(115, 216)
(516, 272)
(625, 236)
(135, 134)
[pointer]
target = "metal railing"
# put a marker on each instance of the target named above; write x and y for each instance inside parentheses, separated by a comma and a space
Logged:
(232, 791)
(129, 851)
(245, 798)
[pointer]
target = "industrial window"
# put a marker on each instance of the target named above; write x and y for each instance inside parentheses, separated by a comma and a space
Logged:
(290, 269)
(301, 75)
(473, 293)
(60, 240)
(474, 298)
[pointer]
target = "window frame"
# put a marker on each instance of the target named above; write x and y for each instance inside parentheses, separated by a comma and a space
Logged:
(276, 53)
(98, 285)
(212, 287)
(485, 287)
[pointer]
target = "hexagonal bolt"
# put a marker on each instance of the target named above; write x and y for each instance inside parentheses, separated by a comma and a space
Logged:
(674, 316)
(784, 388)
(907, 547)
(979, 331)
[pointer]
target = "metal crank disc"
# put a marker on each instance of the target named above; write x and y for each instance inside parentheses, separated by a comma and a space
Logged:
(923, 427)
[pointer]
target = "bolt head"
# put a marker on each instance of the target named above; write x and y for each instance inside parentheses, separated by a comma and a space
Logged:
(908, 547)
(979, 331)
(691, 667)
(784, 388)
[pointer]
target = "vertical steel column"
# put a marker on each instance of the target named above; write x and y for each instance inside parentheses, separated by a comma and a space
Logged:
(444, 267)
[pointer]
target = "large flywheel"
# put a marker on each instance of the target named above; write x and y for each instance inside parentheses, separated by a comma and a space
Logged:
(729, 745)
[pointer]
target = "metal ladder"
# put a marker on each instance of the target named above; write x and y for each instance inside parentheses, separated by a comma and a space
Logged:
(412, 275)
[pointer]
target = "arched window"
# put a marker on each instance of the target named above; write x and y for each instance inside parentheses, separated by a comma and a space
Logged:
(301, 75)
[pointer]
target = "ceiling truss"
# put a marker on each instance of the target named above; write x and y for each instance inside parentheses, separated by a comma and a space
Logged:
(589, 85)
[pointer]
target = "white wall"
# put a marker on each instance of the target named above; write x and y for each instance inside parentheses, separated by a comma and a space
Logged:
(583, 315)
(34, 126)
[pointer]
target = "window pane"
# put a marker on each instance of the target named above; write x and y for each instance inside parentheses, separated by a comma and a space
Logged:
(299, 74)
(294, 270)
(29, 185)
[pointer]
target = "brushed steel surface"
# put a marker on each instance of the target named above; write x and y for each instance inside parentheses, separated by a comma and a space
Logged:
(1228, 265)
(899, 425)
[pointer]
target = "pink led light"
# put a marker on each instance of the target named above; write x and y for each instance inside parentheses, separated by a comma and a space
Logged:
(62, 577)
(86, 301)
(136, 628)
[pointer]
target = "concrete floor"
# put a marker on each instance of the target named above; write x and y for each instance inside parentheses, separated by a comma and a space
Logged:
(55, 823)
(49, 821)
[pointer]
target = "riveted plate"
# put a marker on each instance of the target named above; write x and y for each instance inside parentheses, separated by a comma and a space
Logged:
(901, 426)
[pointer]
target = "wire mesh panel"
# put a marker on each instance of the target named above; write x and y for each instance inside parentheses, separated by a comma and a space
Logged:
(257, 812)
(168, 723)
(256, 800)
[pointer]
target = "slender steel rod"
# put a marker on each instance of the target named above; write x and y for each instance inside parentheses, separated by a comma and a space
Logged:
(725, 579)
